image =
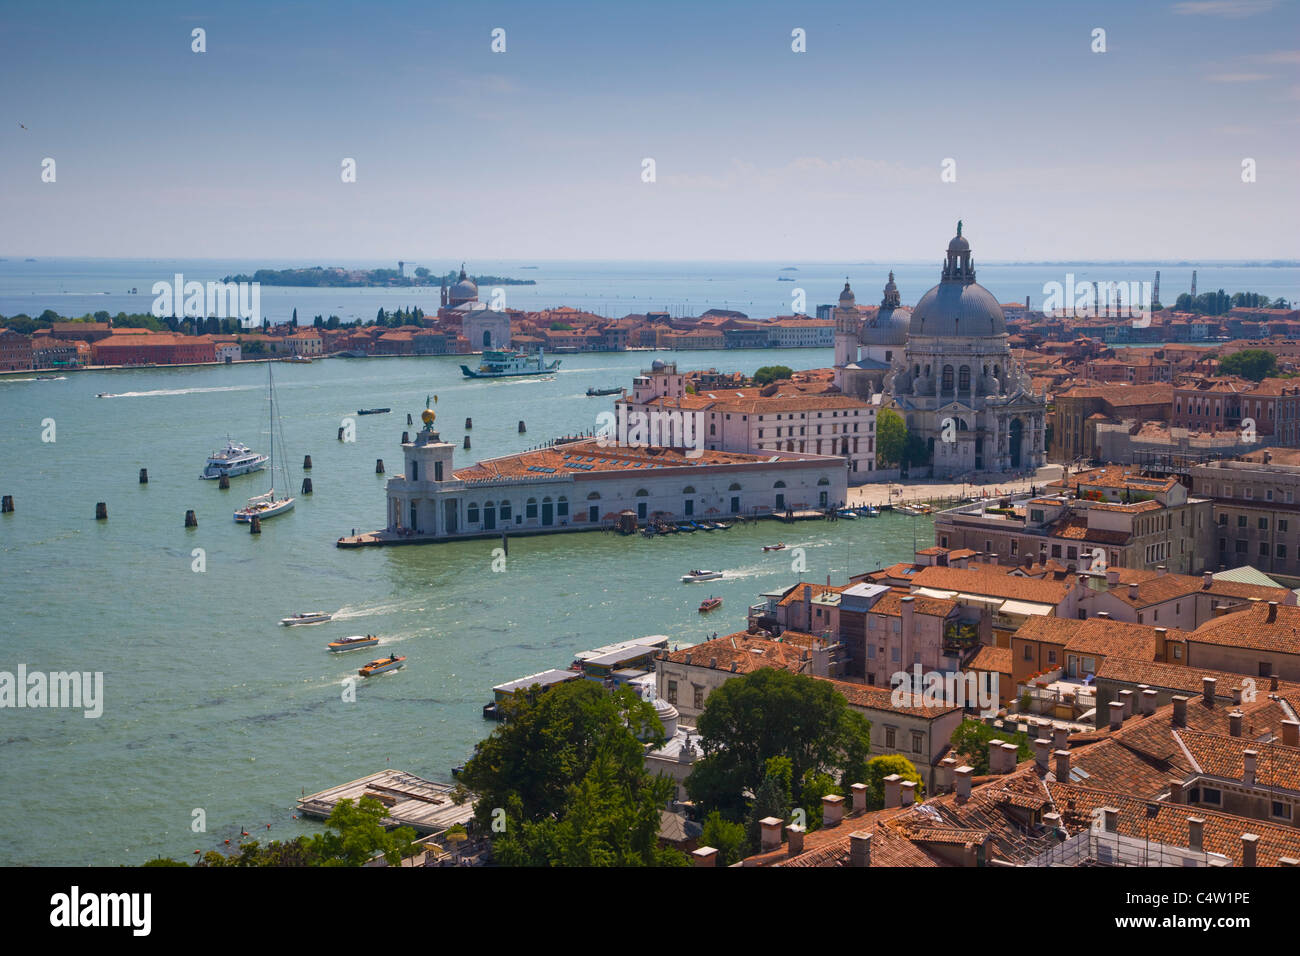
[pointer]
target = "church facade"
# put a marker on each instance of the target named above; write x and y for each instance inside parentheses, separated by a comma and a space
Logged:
(946, 367)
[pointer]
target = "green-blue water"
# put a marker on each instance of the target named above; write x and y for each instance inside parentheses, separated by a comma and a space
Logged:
(208, 702)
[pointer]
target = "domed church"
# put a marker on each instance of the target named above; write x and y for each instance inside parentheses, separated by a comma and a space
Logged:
(955, 382)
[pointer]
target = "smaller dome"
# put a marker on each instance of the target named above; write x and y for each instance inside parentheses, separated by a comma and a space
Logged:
(847, 299)
(959, 244)
(427, 416)
(657, 365)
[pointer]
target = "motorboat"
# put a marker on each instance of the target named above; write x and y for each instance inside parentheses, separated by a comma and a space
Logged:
(697, 575)
(353, 643)
(592, 392)
(382, 665)
(870, 511)
(847, 513)
(235, 459)
(774, 547)
(373, 411)
(712, 604)
(307, 617)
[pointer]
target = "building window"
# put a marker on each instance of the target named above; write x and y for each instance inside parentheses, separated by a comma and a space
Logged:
(1263, 524)
(1051, 657)
(530, 509)
(1281, 811)
(918, 742)
(1282, 525)
(1241, 521)
(672, 692)
(891, 736)
(472, 514)
(1281, 551)
(698, 696)
(1029, 652)
(1211, 796)
(505, 511)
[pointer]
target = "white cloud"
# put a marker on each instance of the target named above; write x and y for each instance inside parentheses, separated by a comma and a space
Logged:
(1233, 9)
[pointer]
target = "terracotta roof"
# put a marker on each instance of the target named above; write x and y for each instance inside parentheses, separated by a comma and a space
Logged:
(881, 698)
(985, 580)
(1275, 766)
(797, 592)
(1182, 678)
(989, 658)
(1095, 636)
(1250, 628)
(891, 604)
(747, 652)
(1075, 528)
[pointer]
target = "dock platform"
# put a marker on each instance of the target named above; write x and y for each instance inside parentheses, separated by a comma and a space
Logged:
(412, 801)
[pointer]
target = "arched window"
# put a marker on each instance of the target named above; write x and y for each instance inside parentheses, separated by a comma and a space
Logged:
(471, 514)
(688, 490)
(562, 507)
(530, 509)
(823, 481)
(594, 496)
(642, 493)
(735, 486)
(779, 484)
(946, 381)
(963, 378)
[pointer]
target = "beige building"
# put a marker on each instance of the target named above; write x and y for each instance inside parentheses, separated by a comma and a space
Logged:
(1256, 506)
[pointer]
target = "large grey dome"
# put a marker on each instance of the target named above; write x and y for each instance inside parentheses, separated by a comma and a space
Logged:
(953, 309)
(889, 327)
(465, 288)
(958, 307)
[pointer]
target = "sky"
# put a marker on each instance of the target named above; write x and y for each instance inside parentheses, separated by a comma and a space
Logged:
(760, 152)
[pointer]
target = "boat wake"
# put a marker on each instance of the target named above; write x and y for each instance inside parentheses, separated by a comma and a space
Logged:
(180, 391)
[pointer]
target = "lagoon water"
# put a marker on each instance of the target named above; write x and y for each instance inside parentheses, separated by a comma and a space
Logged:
(209, 704)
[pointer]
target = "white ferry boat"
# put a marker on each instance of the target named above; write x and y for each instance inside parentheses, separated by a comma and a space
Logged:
(237, 459)
(507, 364)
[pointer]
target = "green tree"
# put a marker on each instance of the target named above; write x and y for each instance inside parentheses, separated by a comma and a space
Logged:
(1254, 364)
(771, 799)
(972, 737)
(878, 768)
(891, 436)
(724, 836)
(773, 713)
(355, 835)
(772, 373)
(567, 770)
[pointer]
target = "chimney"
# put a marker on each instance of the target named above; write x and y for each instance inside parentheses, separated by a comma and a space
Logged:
(1111, 817)
(1234, 722)
(705, 856)
(995, 756)
(943, 777)
(1149, 701)
(1126, 698)
(1161, 570)
(1116, 715)
(1249, 759)
(1103, 615)
(1041, 749)
(1175, 791)
(1272, 612)
(1236, 696)
(1250, 849)
(1051, 820)
(860, 848)
(859, 791)
(962, 775)
(1060, 737)
(1112, 577)
(795, 832)
(1207, 690)
(1180, 710)
(1287, 861)
(771, 838)
(1291, 733)
(1196, 833)
(908, 610)
(1132, 591)
(832, 810)
(908, 795)
(893, 788)
(1062, 766)
(1207, 580)
(807, 603)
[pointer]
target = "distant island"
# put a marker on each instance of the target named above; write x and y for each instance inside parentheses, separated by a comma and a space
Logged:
(336, 277)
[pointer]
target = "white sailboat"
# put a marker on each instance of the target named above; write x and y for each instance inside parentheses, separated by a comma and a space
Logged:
(269, 505)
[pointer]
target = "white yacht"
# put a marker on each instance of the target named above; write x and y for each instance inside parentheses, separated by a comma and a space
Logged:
(307, 617)
(237, 459)
(694, 576)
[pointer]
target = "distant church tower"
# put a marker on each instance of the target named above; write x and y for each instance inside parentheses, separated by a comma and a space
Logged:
(846, 328)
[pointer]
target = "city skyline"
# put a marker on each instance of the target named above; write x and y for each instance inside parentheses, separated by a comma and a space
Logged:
(761, 153)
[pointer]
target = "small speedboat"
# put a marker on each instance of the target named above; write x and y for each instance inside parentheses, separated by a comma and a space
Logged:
(847, 513)
(870, 511)
(307, 617)
(712, 604)
(774, 547)
(380, 666)
(697, 575)
(373, 411)
(353, 643)
(592, 392)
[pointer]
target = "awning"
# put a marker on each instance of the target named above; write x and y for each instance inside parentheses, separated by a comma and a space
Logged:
(1025, 607)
